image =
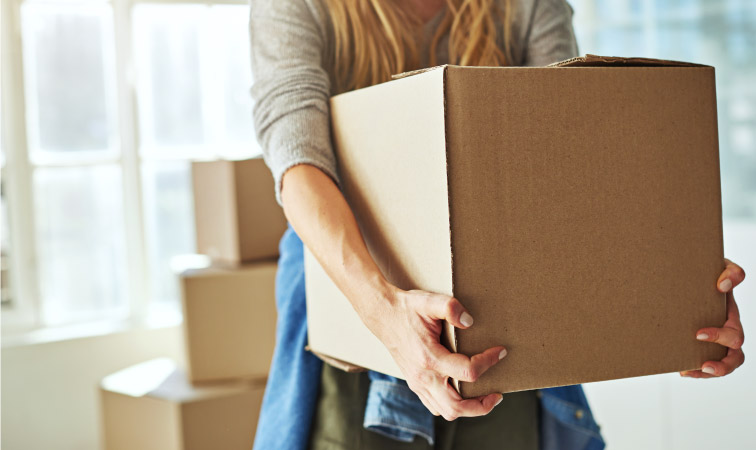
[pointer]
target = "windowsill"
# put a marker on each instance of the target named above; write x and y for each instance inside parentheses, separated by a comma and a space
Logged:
(156, 320)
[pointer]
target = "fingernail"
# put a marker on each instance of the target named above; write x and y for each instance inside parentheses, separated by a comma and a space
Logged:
(502, 354)
(498, 401)
(466, 319)
(702, 336)
(708, 369)
(725, 285)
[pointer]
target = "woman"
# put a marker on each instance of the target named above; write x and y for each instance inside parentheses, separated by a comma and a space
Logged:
(303, 52)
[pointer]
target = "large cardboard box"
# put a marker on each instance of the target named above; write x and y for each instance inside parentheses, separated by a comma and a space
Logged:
(575, 210)
(229, 320)
(152, 406)
(236, 215)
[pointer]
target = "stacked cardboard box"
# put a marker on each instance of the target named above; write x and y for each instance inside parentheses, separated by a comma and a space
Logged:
(152, 406)
(229, 324)
(229, 321)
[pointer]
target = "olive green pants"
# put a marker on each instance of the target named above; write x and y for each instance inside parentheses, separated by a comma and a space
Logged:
(337, 425)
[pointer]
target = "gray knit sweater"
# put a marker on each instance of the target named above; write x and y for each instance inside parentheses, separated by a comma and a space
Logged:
(292, 67)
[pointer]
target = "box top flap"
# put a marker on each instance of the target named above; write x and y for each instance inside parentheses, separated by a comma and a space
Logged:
(618, 61)
(588, 60)
(161, 378)
(416, 72)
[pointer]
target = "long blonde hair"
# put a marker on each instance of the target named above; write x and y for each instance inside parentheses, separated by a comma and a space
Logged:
(378, 38)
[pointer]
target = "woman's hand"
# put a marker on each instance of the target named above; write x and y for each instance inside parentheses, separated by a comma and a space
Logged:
(411, 329)
(407, 322)
(731, 333)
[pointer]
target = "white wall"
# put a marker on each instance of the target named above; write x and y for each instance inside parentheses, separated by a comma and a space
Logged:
(49, 391)
(668, 412)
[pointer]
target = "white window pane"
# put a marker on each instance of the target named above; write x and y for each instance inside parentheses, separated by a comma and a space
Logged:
(69, 78)
(194, 79)
(81, 252)
(230, 45)
(168, 66)
(169, 223)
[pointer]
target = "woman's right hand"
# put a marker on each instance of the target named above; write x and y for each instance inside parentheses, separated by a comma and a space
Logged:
(409, 323)
(410, 327)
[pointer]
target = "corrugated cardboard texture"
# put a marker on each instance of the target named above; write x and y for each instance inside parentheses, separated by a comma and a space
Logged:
(401, 203)
(229, 321)
(585, 214)
(617, 61)
(334, 330)
(586, 220)
(143, 422)
(261, 219)
(178, 416)
(215, 221)
(237, 218)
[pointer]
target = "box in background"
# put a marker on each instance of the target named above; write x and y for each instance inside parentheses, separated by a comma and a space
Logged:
(229, 320)
(152, 406)
(236, 215)
(575, 210)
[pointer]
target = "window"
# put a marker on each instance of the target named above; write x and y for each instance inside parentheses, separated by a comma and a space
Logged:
(721, 34)
(106, 102)
(115, 99)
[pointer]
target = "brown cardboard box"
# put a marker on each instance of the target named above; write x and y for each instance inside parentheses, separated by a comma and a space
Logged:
(229, 320)
(153, 406)
(575, 210)
(236, 214)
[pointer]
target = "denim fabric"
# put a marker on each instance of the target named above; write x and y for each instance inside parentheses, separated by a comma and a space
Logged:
(392, 409)
(292, 389)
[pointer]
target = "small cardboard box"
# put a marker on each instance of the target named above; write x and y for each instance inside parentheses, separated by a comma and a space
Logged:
(236, 215)
(229, 320)
(574, 209)
(152, 406)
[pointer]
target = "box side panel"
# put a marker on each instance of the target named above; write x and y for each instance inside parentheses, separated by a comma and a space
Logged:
(139, 422)
(229, 321)
(335, 330)
(215, 210)
(261, 219)
(390, 146)
(227, 422)
(586, 221)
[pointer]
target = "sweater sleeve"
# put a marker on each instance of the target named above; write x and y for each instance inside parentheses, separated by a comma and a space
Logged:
(290, 87)
(551, 37)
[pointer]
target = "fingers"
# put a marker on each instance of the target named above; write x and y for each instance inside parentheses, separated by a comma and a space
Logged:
(430, 370)
(443, 400)
(733, 315)
(729, 337)
(447, 308)
(462, 367)
(428, 402)
(712, 369)
(452, 406)
(449, 403)
(695, 374)
(732, 276)
(733, 360)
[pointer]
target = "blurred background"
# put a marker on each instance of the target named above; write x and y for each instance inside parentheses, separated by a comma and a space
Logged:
(106, 102)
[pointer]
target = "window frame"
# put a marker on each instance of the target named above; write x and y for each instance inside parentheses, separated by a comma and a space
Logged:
(24, 314)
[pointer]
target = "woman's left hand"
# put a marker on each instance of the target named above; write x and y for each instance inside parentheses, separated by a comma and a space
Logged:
(731, 333)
